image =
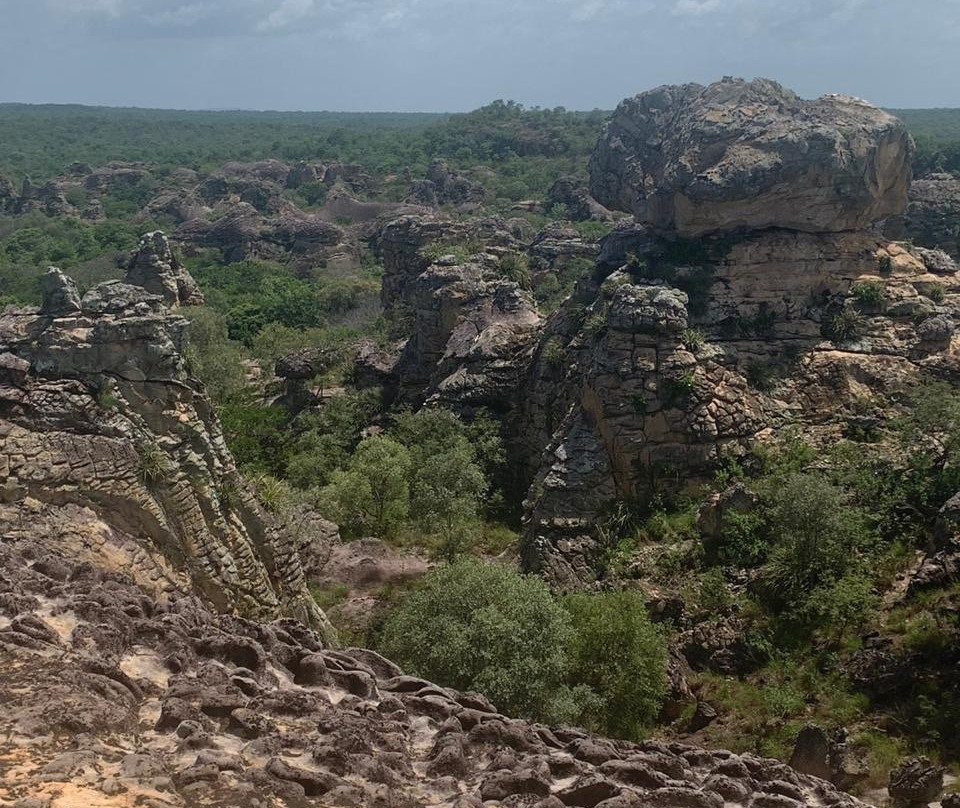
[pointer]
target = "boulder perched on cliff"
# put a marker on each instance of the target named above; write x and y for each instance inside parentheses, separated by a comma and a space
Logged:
(739, 154)
(157, 269)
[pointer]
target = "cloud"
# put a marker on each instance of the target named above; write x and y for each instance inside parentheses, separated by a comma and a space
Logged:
(696, 8)
(287, 13)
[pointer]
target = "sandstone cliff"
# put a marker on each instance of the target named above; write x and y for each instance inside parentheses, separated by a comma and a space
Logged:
(111, 452)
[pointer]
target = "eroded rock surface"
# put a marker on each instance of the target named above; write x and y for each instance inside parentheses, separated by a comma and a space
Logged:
(736, 154)
(114, 699)
(110, 451)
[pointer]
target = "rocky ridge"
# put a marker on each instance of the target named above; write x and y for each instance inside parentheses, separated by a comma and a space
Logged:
(113, 698)
(111, 451)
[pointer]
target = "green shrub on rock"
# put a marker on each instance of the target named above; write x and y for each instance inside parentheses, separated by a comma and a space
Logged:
(484, 627)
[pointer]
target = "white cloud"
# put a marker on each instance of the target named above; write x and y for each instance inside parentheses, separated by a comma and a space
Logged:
(287, 13)
(696, 8)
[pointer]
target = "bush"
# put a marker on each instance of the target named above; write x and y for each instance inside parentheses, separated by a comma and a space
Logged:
(154, 465)
(816, 538)
(484, 627)
(516, 267)
(621, 657)
(869, 293)
(844, 325)
(372, 495)
(212, 356)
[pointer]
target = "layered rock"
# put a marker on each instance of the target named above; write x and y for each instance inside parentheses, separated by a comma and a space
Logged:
(573, 195)
(110, 452)
(680, 351)
(749, 155)
(243, 232)
(113, 697)
(444, 186)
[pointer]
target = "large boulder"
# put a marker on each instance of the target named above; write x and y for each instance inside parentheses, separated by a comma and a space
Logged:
(751, 155)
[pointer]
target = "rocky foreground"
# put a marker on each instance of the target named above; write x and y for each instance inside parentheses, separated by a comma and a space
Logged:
(114, 698)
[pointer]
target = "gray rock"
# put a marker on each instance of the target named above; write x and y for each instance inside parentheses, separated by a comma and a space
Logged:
(916, 782)
(739, 154)
(60, 295)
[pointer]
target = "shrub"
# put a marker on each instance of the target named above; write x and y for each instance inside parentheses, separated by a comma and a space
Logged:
(693, 340)
(843, 325)
(516, 267)
(154, 465)
(484, 627)
(869, 293)
(274, 494)
(553, 353)
(212, 356)
(621, 657)
(816, 538)
(936, 292)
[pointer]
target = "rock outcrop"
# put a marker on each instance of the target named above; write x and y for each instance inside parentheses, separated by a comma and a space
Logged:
(115, 698)
(444, 186)
(110, 451)
(693, 160)
(468, 324)
(572, 194)
(243, 232)
(752, 293)
(156, 268)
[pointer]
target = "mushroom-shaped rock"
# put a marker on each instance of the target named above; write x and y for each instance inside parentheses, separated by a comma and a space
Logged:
(155, 267)
(751, 154)
(303, 364)
(60, 295)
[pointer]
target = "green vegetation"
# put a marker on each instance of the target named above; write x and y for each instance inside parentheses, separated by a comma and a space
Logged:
(595, 659)
(476, 626)
(620, 657)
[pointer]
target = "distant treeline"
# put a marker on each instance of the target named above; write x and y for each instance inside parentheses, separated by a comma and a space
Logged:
(937, 133)
(41, 141)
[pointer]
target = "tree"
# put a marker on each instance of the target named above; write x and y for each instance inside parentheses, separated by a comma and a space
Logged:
(445, 489)
(816, 543)
(214, 358)
(484, 627)
(621, 657)
(372, 495)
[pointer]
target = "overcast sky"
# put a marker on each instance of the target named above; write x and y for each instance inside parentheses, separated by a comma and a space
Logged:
(451, 55)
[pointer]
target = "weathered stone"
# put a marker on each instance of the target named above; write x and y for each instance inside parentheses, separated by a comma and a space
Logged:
(738, 154)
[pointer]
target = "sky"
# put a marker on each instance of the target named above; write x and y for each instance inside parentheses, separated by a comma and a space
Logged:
(456, 55)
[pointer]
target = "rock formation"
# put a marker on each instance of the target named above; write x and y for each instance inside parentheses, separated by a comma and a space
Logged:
(443, 186)
(573, 195)
(111, 453)
(156, 268)
(693, 160)
(243, 232)
(681, 350)
(467, 322)
(115, 698)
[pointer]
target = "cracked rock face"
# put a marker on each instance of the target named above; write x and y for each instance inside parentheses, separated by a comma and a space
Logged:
(749, 155)
(157, 269)
(115, 699)
(109, 450)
